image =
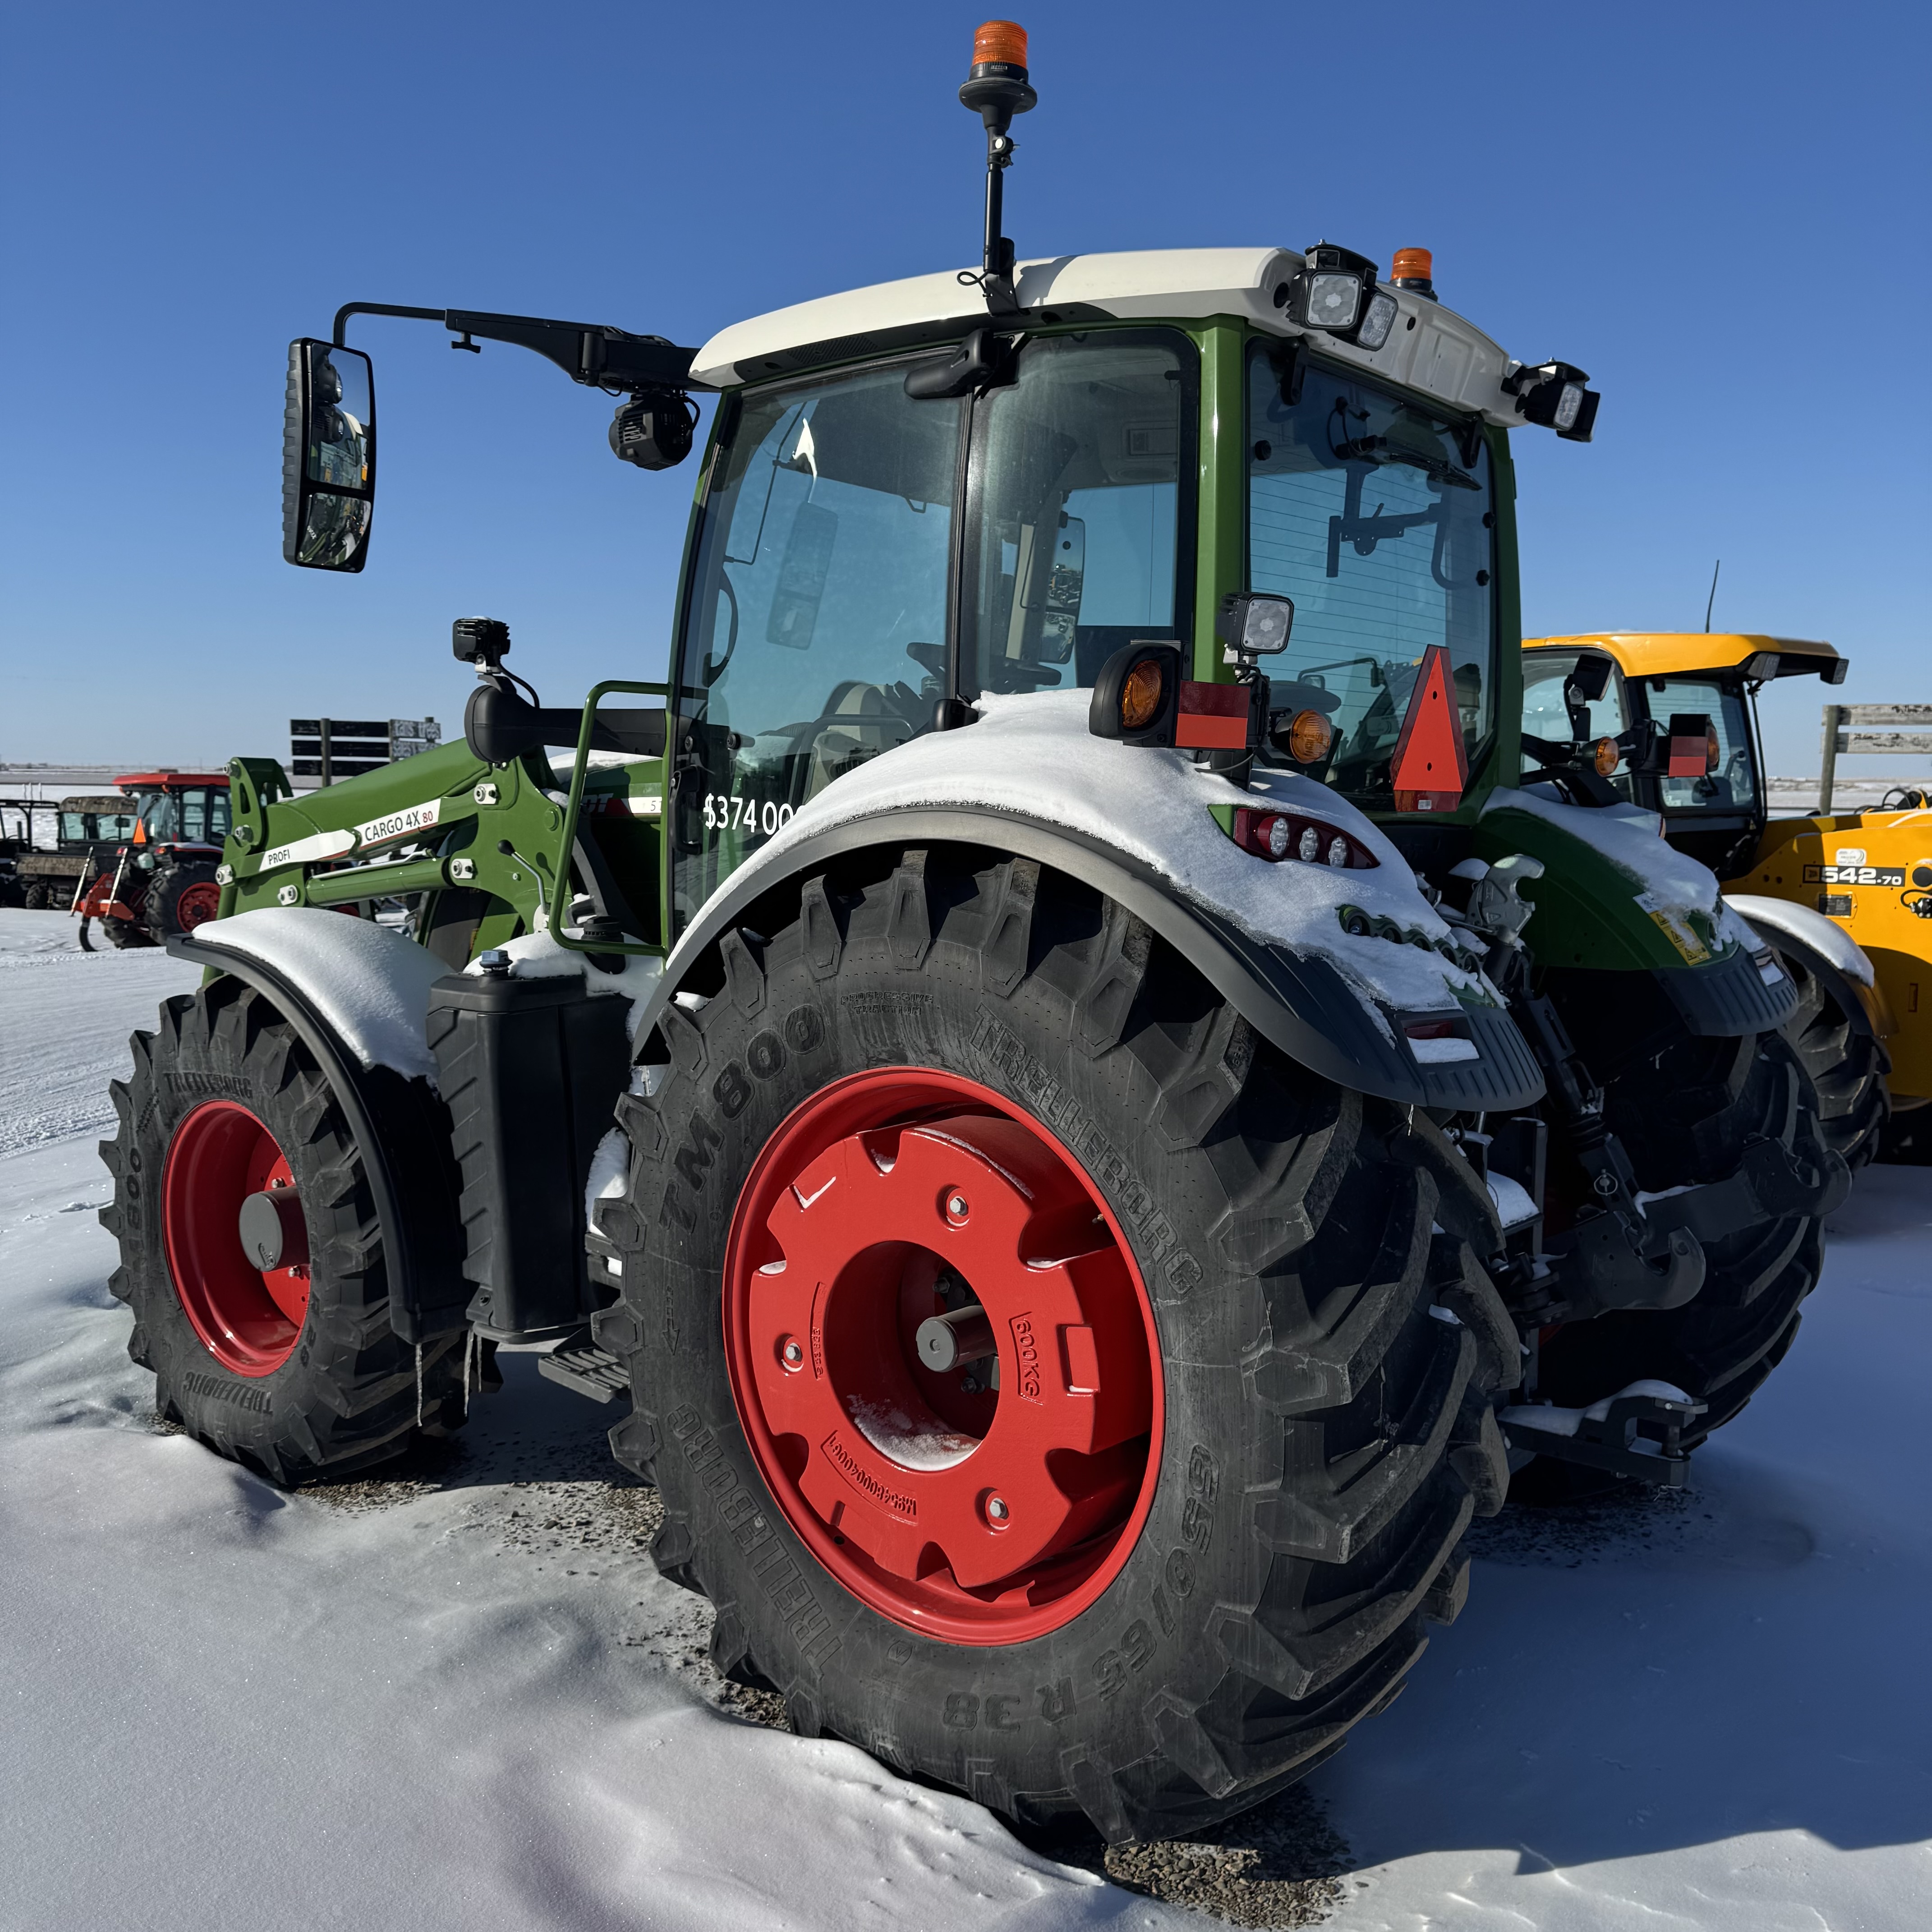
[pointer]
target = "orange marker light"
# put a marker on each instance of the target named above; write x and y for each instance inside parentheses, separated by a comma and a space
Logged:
(1715, 751)
(1000, 43)
(1413, 264)
(1606, 757)
(1309, 735)
(1140, 695)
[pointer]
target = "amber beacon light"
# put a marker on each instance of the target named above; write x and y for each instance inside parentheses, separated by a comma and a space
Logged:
(999, 46)
(997, 89)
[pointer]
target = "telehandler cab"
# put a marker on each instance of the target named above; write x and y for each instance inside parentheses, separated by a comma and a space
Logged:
(1668, 721)
(1020, 1067)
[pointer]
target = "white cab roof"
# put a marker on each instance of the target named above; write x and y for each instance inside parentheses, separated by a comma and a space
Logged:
(1431, 348)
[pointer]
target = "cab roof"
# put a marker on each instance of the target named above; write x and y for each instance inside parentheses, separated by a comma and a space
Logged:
(1430, 348)
(173, 781)
(1675, 653)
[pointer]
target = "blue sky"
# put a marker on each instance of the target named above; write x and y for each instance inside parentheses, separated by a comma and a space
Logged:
(1719, 211)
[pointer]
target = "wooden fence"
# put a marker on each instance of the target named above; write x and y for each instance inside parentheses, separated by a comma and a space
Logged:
(1849, 729)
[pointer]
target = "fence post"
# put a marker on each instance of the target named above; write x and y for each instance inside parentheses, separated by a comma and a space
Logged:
(1834, 715)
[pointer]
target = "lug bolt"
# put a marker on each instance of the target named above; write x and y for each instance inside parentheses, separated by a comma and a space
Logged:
(996, 1509)
(792, 1352)
(955, 1207)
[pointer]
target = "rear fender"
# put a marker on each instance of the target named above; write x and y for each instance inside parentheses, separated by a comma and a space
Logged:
(1291, 995)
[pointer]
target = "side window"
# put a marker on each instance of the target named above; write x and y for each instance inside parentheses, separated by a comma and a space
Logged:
(1545, 715)
(1079, 503)
(815, 636)
(217, 814)
(1732, 786)
(194, 816)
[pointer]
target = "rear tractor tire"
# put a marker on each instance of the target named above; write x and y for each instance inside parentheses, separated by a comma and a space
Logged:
(1098, 1405)
(284, 1359)
(182, 896)
(34, 896)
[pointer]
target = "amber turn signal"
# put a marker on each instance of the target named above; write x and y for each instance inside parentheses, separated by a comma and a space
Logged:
(1714, 752)
(1142, 695)
(1606, 757)
(1310, 736)
(1000, 43)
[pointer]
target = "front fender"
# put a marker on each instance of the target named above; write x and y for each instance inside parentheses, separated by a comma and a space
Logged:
(1827, 952)
(357, 996)
(1293, 997)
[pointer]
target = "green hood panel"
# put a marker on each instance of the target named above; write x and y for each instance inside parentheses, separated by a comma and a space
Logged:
(1613, 896)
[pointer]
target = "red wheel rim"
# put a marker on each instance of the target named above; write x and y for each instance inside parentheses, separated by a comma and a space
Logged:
(981, 1516)
(249, 1318)
(198, 904)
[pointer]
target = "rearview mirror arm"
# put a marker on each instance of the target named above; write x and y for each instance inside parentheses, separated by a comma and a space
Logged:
(589, 352)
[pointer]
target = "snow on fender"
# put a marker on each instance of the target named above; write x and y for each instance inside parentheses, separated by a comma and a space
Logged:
(369, 986)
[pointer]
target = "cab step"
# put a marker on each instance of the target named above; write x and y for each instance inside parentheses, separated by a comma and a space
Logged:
(578, 1364)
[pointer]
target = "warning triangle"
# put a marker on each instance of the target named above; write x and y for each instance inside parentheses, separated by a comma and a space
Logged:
(1430, 770)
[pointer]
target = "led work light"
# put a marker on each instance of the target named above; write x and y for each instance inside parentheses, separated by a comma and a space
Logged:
(1554, 395)
(1335, 292)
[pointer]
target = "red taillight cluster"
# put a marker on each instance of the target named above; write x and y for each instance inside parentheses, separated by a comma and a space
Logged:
(1287, 835)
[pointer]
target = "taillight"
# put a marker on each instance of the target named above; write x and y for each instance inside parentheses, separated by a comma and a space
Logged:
(1286, 834)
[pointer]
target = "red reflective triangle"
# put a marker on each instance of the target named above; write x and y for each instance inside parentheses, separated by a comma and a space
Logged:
(1430, 769)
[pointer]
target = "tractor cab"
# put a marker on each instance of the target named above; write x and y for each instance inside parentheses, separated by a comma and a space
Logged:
(177, 809)
(1666, 721)
(157, 879)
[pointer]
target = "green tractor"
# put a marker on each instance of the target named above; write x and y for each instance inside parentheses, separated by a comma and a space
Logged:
(1084, 1125)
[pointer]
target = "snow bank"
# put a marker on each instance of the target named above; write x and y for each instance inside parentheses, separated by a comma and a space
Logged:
(1033, 756)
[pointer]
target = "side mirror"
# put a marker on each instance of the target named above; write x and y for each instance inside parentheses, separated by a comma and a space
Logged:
(328, 456)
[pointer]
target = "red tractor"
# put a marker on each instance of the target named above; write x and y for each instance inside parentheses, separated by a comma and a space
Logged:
(162, 881)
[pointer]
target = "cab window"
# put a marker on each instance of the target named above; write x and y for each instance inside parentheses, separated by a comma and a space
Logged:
(815, 637)
(1376, 514)
(1733, 786)
(1545, 715)
(1075, 508)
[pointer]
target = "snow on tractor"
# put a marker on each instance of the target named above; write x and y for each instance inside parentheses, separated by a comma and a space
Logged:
(1026, 1067)
(1668, 721)
(142, 860)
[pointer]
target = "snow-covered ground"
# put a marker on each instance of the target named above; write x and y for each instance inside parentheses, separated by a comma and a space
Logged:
(467, 1700)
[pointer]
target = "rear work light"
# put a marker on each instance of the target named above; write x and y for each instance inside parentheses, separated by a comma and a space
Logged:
(1335, 291)
(1554, 395)
(1275, 836)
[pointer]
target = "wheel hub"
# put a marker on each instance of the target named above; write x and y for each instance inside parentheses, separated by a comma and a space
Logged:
(236, 1240)
(944, 1355)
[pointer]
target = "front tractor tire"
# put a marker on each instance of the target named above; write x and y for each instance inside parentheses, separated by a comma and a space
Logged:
(292, 1369)
(1157, 1567)
(1692, 1111)
(1847, 1065)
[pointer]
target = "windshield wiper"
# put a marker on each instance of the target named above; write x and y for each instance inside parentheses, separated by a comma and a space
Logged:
(1379, 449)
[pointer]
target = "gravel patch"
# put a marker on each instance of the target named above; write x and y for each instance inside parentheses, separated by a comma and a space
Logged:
(1281, 1864)
(1634, 1517)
